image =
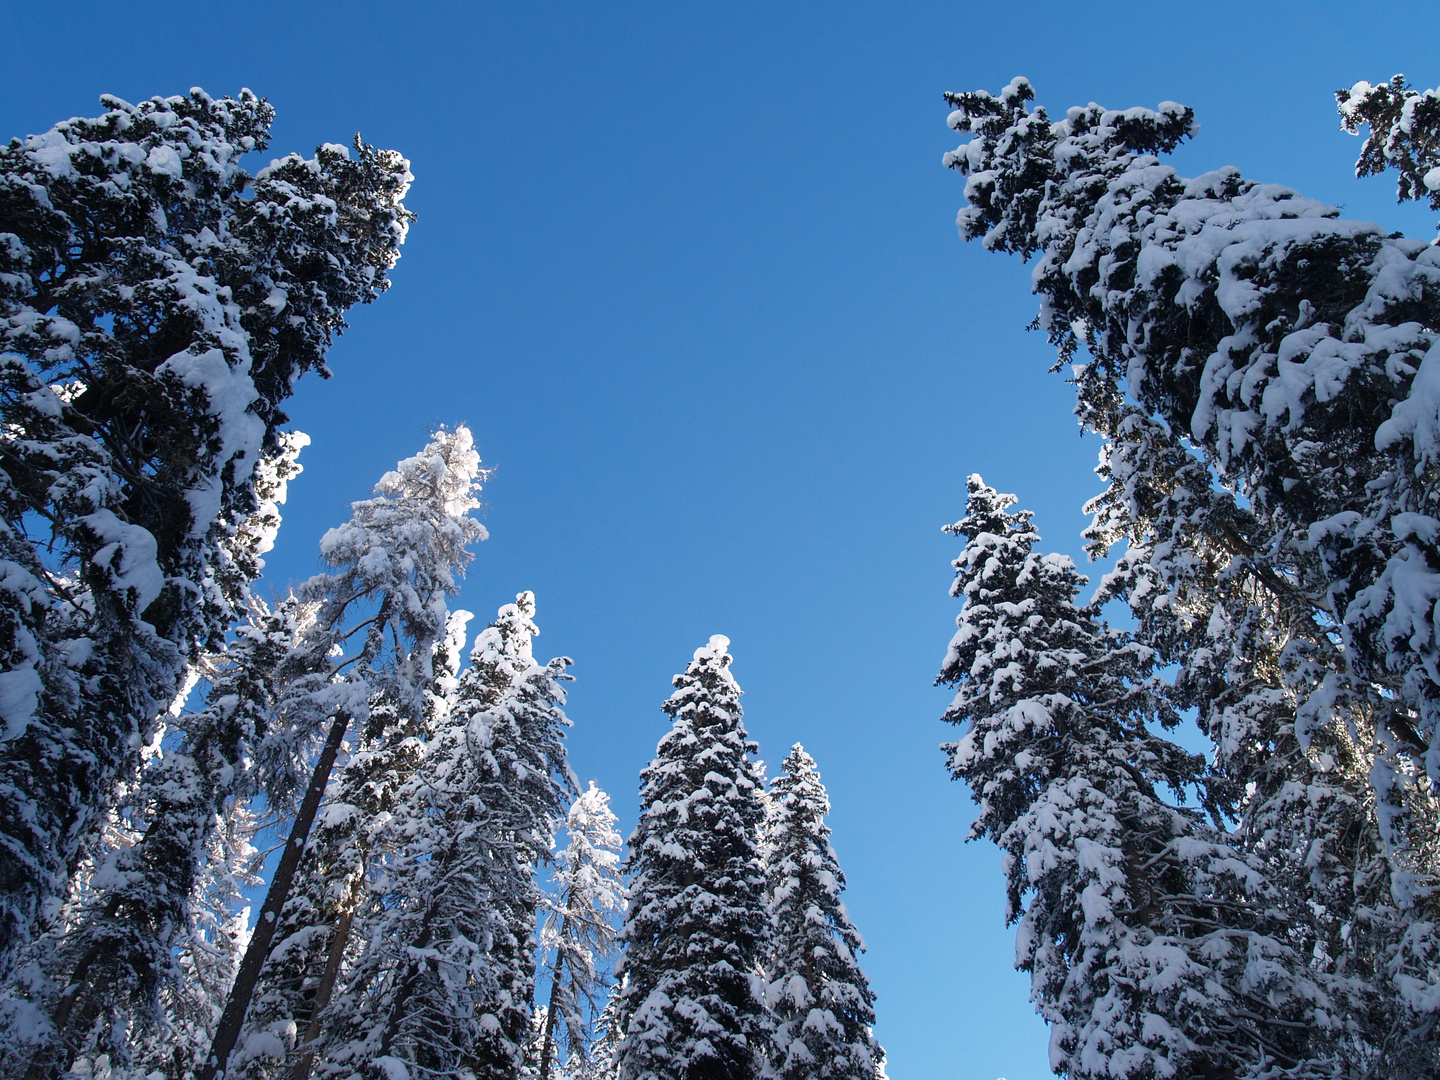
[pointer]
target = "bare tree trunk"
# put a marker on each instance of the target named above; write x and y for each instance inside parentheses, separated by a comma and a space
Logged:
(547, 1041)
(231, 1020)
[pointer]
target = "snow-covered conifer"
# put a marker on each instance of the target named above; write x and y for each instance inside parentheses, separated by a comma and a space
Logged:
(448, 968)
(1281, 341)
(1262, 372)
(1295, 781)
(586, 897)
(1155, 945)
(380, 625)
(157, 305)
(823, 1004)
(696, 926)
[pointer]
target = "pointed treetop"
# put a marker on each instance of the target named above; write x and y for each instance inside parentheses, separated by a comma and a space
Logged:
(511, 634)
(985, 511)
(707, 674)
(449, 466)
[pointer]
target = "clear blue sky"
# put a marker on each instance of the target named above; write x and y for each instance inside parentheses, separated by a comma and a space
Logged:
(691, 274)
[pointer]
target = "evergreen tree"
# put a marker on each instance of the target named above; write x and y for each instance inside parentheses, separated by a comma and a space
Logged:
(316, 938)
(602, 1061)
(1296, 787)
(1261, 370)
(1155, 945)
(696, 928)
(447, 973)
(587, 895)
(157, 305)
(823, 1004)
(110, 966)
(395, 562)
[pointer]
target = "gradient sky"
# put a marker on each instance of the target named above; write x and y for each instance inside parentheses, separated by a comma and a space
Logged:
(691, 274)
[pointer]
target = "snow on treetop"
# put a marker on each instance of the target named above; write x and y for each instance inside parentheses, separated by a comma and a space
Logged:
(719, 645)
(1018, 87)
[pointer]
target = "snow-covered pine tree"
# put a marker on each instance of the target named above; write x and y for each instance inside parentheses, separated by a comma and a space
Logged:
(316, 936)
(110, 972)
(1289, 355)
(115, 958)
(1284, 343)
(696, 926)
(530, 787)
(586, 896)
(1296, 787)
(208, 953)
(395, 562)
(823, 1004)
(448, 970)
(157, 305)
(1155, 946)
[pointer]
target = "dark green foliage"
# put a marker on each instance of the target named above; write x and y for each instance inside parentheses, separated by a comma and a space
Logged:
(696, 929)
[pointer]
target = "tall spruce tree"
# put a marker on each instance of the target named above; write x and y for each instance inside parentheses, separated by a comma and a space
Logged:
(157, 305)
(1261, 371)
(1296, 787)
(1156, 945)
(823, 1004)
(696, 929)
(1284, 343)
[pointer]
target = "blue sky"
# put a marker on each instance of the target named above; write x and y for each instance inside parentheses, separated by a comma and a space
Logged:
(691, 274)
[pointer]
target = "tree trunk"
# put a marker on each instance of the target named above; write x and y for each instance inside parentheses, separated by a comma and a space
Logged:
(227, 1033)
(326, 988)
(547, 1040)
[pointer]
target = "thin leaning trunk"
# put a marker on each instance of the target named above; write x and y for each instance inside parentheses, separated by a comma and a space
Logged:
(547, 1041)
(227, 1033)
